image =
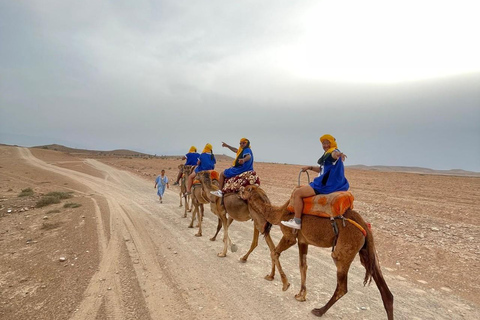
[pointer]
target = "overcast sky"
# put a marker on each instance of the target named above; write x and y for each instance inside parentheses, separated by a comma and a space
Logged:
(396, 82)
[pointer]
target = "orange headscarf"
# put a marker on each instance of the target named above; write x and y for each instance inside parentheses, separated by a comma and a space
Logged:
(240, 150)
(208, 148)
(333, 143)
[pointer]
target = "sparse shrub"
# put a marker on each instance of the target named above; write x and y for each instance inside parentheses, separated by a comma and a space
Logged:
(60, 195)
(71, 205)
(47, 200)
(26, 192)
(53, 211)
(53, 197)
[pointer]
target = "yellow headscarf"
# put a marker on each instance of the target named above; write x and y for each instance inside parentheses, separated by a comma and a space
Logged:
(192, 149)
(333, 143)
(208, 148)
(240, 150)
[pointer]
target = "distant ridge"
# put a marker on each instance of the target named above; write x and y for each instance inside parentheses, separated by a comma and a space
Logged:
(118, 152)
(453, 172)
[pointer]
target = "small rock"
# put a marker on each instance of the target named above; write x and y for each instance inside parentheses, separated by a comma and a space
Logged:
(62, 259)
(45, 217)
(434, 229)
(9, 211)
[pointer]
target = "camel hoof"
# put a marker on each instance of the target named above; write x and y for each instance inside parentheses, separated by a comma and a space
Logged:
(180, 206)
(300, 298)
(243, 260)
(270, 278)
(189, 210)
(198, 235)
(185, 216)
(318, 312)
(234, 248)
(213, 239)
(221, 255)
(190, 226)
(285, 287)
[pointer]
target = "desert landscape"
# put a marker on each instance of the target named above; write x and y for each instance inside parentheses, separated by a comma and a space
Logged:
(103, 247)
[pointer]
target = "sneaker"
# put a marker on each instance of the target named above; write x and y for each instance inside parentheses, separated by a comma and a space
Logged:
(217, 193)
(291, 224)
(175, 183)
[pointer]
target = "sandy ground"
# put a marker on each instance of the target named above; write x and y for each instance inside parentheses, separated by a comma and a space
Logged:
(129, 257)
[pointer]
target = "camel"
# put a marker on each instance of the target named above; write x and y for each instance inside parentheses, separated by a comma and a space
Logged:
(319, 232)
(186, 170)
(238, 210)
(199, 198)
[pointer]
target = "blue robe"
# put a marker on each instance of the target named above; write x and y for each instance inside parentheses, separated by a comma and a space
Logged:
(192, 158)
(207, 162)
(332, 178)
(241, 168)
(161, 184)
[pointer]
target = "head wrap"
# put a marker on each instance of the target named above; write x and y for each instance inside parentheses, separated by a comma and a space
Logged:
(208, 148)
(240, 151)
(333, 146)
(192, 149)
(333, 143)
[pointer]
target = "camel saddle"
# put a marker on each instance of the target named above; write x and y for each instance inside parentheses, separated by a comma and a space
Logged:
(214, 175)
(326, 205)
(238, 183)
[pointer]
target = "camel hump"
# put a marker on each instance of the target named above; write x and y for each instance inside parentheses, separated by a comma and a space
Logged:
(326, 205)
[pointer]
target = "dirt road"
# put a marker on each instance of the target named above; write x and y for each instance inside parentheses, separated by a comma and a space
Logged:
(175, 275)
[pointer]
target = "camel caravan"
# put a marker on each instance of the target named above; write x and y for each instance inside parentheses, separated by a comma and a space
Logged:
(319, 214)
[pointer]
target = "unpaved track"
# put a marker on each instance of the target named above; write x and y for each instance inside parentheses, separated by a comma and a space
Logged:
(179, 276)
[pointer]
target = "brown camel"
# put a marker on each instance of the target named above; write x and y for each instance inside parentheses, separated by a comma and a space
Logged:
(199, 199)
(238, 210)
(319, 232)
(186, 170)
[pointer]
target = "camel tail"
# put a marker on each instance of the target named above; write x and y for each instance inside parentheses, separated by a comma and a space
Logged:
(268, 227)
(369, 259)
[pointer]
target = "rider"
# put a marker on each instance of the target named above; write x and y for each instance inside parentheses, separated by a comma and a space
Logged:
(331, 178)
(243, 162)
(191, 160)
(206, 161)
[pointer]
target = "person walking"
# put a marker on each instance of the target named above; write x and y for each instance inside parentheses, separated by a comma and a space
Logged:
(161, 182)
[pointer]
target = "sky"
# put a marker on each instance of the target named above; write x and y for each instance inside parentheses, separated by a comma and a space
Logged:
(397, 83)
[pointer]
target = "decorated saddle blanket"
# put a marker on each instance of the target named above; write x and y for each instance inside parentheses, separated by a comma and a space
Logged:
(238, 183)
(214, 175)
(326, 205)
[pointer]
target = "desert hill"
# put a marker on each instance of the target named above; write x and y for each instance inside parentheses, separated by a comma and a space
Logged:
(132, 154)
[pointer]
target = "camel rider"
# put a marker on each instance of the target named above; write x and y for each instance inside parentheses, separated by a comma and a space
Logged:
(243, 162)
(331, 178)
(191, 160)
(206, 161)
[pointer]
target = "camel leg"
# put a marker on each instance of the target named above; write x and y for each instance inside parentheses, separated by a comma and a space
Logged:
(252, 246)
(226, 239)
(199, 220)
(193, 215)
(276, 262)
(302, 257)
(369, 260)
(343, 257)
(219, 226)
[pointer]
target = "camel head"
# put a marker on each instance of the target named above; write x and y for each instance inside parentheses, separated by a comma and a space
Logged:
(247, 192)
(205, 179)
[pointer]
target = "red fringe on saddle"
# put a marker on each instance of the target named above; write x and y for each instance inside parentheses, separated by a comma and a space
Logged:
(238, 183)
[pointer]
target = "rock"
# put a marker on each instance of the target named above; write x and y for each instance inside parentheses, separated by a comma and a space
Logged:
(63, 259)
(434, 229)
